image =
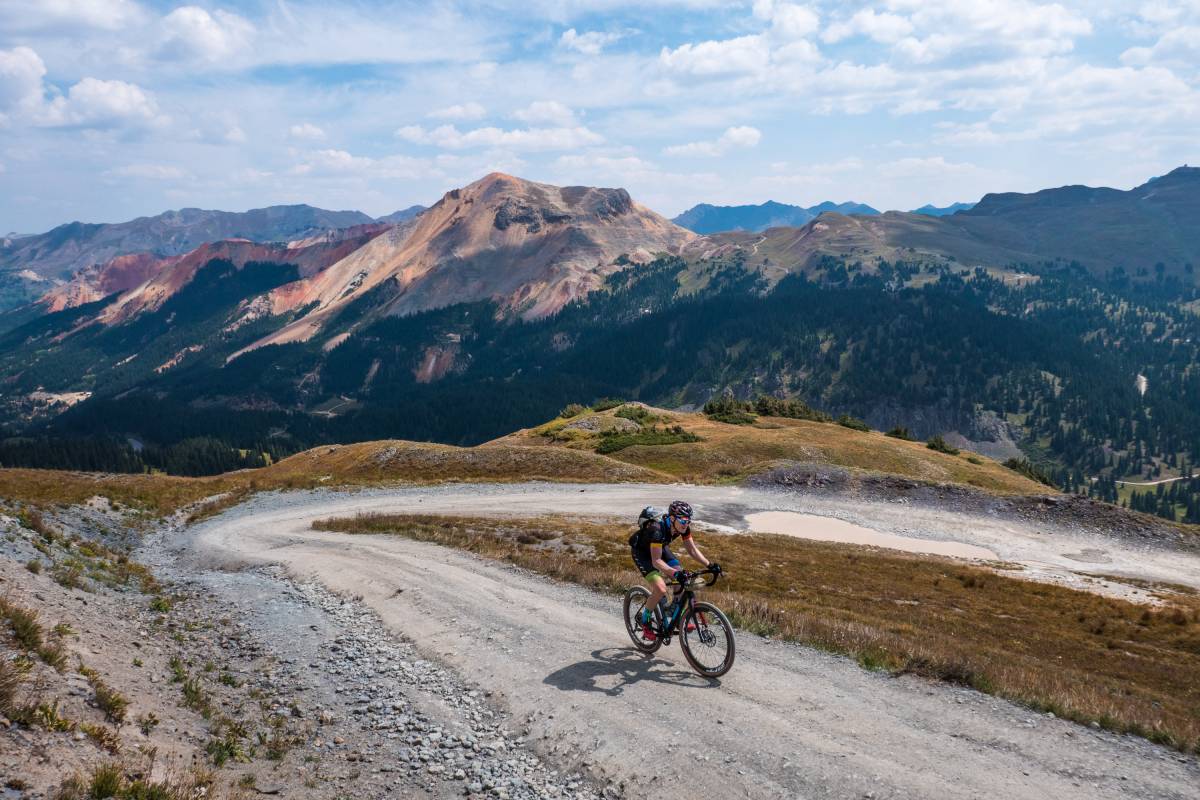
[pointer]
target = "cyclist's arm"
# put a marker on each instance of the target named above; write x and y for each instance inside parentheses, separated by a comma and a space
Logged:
(695, 551)
(657, 560)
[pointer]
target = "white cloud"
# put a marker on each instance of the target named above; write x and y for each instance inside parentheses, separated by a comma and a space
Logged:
(307, 131)
(741, 136)
(193, 32)
(590, 43)
(21, 90)
(160, 172)
(90, 103)
(450, 138)
(332, 161)
(547, 112)
(58, 15)
(460, 111)
(792, 21)
(743, 55)
(988, 29)
(343, 165)
(94, 103)
(1179, 47)
(882, 27)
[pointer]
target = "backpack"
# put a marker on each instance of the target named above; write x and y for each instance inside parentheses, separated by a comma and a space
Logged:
(649, 515)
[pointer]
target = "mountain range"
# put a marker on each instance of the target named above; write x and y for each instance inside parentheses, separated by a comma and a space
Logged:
(508, 298)
(705, 218)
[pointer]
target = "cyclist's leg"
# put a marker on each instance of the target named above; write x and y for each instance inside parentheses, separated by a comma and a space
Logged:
(659, 595)
(658, 587)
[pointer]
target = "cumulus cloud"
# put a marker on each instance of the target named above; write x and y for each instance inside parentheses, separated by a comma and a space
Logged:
(459, 111)
(21, 89)
(882, 27)
(94, 103)
(741, 136)
(547, 112)
(90, 103)
(742, 55)
(450, 138)
(193, 32)
(1179, 47)
(988, 29)
(590, 43)
(306, 130)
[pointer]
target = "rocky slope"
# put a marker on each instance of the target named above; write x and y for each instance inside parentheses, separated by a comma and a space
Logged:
(531, 247)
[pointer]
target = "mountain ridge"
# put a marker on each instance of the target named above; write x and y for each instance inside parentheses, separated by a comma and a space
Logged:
(705, 218)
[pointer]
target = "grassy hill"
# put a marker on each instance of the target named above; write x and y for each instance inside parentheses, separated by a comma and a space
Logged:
(564, 449)
(721, 452)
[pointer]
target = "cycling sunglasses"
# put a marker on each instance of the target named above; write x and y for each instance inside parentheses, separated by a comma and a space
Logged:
(684, 520)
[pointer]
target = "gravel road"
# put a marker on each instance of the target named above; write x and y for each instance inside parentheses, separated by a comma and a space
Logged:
(786, 722)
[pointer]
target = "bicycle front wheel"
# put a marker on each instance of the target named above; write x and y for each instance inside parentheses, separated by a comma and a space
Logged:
(707, 640)
(635, 601)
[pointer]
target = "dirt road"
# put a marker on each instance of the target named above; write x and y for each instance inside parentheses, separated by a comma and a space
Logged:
(787, 722)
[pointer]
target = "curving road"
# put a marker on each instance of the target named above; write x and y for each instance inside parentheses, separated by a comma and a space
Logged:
(786, 722)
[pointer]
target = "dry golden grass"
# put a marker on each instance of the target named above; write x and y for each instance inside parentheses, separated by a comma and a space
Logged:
(1083, 656)
(363, 464)
(733, 452)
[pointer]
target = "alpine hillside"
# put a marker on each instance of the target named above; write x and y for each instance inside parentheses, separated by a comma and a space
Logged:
(508, 300)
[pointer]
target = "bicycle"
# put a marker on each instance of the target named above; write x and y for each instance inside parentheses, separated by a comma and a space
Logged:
(704, 632)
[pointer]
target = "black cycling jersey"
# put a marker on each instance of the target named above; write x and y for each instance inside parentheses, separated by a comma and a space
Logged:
(660, 531)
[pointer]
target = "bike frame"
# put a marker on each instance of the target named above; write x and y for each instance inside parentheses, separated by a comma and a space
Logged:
(684, 593)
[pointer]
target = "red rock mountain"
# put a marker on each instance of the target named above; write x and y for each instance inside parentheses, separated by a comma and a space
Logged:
(529, 246)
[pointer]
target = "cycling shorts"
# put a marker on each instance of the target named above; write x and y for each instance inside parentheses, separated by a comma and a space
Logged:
(641, 557)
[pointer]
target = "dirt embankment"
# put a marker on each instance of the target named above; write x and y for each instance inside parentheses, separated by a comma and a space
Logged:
(225, 685)
(1051, 509)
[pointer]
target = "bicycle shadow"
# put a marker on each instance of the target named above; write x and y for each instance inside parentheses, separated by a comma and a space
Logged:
(611, 669)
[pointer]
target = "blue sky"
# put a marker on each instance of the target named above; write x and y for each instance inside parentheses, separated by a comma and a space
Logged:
(111, 109)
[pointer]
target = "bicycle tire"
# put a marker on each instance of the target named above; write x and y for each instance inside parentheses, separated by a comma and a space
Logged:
(724, 628)
(630, 605)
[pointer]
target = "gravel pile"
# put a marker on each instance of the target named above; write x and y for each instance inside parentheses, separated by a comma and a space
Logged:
(416, 720)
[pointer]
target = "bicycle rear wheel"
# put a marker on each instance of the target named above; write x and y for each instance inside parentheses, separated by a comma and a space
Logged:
(635, 601)
(710, 647)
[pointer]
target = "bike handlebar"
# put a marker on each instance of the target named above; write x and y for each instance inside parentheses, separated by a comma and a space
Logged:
(692, 576)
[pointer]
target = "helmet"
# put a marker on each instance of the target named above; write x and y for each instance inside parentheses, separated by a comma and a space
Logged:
(649, 514)
(680, 509)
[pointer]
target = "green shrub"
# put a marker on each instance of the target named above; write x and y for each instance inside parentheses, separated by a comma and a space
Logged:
(769, 406)
(605, 403)
(34, 565)
(1029, 470)
(730, 410)
(854, 423)
(572, 410)
(613, 442)
(636, 414)
(900, 432)
(939, 444)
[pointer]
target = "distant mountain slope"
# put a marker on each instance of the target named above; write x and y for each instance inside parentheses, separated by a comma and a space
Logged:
(1101, 229)
(29, 265)
(943, 211)
(705, 218)
(1157, 222)
(403, 215)
(70, 247)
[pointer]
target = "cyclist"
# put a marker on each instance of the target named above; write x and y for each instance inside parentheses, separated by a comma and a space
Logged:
(652, 554)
